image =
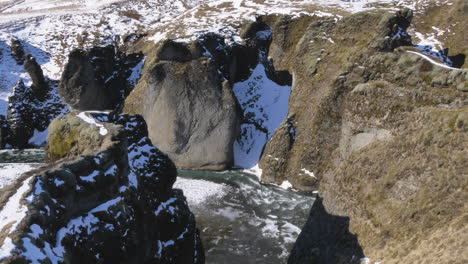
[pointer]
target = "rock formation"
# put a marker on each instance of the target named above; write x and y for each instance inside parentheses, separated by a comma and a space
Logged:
(97, 79)
(39, 84)
(189, 107)
(17, 50)
(109, 201)
(3, 131)
(30, 110)
(378, 129)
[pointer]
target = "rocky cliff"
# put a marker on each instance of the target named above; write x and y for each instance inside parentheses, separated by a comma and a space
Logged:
(106, 198)
(98, 78)
(379, 131)
(31, 108)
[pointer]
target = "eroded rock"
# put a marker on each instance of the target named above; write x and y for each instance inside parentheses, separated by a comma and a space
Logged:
(112, 202)
(97, 79)
(39, 84)
(190, 111)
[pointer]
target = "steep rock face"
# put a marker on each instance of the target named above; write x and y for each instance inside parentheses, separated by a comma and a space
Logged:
(381, 128)
(189, 107)
(97, 79)
(115, 205)
(324, 72)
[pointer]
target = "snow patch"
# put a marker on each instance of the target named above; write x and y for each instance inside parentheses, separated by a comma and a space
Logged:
(198, 191)
(39, 138)
(265, 106)
(286, 185)
(311, 174)
(433, 61)
(92, 121)
(9, 172)
(12, 214)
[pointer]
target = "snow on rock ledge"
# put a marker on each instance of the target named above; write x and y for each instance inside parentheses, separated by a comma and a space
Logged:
(100, 208)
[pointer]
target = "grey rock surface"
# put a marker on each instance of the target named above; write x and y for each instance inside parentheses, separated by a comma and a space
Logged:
(191, 113)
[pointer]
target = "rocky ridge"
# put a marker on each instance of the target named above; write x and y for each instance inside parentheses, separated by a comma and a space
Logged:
(104, 202)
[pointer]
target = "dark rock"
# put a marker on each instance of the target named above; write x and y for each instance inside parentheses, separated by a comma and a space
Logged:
(325, 238)
(20, 115)
(3, 131)
(392, 31)
(115, 205)
(39, 86)
(17, 50)
(27, 113)
(174, 51)
(97, 79)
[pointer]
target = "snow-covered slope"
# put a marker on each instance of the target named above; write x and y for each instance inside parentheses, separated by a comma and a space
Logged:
(50, 29)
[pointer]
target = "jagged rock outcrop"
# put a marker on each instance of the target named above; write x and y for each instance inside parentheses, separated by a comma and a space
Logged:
(17, 50)
(98, 79)
(111, 202)
(39, 84)
(330, 72)
(30, 111)
(189, 107)
(378, 131)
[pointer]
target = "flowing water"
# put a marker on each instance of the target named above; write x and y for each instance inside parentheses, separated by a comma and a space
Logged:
(240, 219)
(15, 162)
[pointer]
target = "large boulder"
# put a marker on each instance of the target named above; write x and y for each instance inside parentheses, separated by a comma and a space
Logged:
(114, 204)
(97, 79)
(189, 107)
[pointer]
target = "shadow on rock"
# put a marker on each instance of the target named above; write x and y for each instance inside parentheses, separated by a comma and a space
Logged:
(325, 238)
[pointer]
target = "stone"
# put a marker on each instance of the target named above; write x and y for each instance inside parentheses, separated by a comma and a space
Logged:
(97, 79)
(17, 50)
(190, 111)
(174, 51)
(20, 115)
(39, 86)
